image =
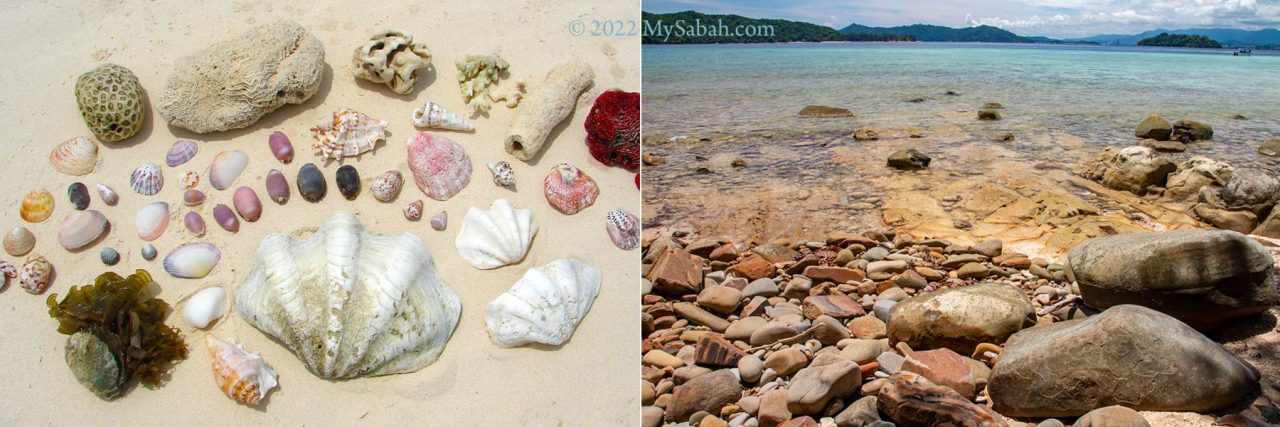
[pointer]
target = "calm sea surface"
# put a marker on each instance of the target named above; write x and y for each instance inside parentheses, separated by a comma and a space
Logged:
(744, 100)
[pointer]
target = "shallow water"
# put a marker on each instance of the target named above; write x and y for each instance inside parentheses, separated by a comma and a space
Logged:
(807, 176)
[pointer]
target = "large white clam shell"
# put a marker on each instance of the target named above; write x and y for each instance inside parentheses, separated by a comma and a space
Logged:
(496, 237)
(545, 306)
(76, 156)
(350, 303)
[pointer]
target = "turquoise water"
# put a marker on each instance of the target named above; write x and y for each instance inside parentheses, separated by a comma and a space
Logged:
(1062, 103)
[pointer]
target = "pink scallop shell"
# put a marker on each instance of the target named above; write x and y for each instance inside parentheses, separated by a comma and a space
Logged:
(441, 168)
(569, 189)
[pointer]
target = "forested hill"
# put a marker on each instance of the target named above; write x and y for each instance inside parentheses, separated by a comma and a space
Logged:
(1180, 40)
(937, 33)
(693, 27)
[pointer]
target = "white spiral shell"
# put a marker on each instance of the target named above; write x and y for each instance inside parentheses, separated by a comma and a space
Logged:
(496, 237)
(432, 115)
(545, 306)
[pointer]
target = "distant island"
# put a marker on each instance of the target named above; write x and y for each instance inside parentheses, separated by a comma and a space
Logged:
(1180, 40)
(1259, 39)
(681, 28)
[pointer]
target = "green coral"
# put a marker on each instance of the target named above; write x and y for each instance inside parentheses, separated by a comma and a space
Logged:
(117, 333)
(111, 103)
(475, 75)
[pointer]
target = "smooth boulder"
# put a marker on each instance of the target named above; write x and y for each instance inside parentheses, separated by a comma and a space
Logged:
(707, 392)
(1154, 127)
(1202, 277)
(959, 318)
(909, 159)
(1128, 355)
(1133, 169)
(824, 111)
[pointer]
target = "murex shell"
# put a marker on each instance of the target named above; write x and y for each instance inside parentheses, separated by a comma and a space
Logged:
(192, 260)
(243, 376)
(545, 306)
(37, 205)
(496, 237)
(181, 152)
(440, 167)
(76, 156)
(502, 173)
(623, 229)
(348, 133)
(226, 167)
(350, 303)
(146, 179)
(569, 189)
(80, 228)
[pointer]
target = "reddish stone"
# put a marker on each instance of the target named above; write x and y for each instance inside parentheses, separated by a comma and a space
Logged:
(805, 421)
(802, 264)
(943, 367)
(773, 408)
(834, 274)
(714, 350)
(725, 253)
(910, 399)
(837, 306)
(843, 239)
(676, 272)
(751, 268)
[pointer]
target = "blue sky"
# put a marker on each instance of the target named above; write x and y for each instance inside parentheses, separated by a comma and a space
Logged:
(1054, 18)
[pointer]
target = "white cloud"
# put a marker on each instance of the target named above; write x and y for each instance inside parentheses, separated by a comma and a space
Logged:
(1068, 18)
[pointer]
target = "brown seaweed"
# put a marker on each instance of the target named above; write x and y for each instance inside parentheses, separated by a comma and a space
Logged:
(128, 322)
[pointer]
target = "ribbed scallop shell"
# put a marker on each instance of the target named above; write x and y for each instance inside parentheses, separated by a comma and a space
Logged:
(545, 306)
(348, 133)
(623, 229)
(569, 189)
(243, 376)
(146, 179)
(440, 167)
(349, 303)
(80, 228)
(76, 156)
(496, 237)
(37, 205)
(181, 152)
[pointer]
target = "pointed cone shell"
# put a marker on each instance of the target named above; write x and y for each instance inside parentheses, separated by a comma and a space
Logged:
(181, 152)
(151, 220)
(19, 241)
(545, 306)
(623, 229)
(569, 189)
(348, 133)
(440, 167)
(496, 237)
(192, 260)
(350, 303)
(147, 179)
(80, 228)
(243, 376)
(108, 195)
(37, 205)
(35, 274)
(432, 115)
(226, 167)
(75, 156)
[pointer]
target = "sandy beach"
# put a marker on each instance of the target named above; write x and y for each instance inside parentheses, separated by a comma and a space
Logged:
(587, 381)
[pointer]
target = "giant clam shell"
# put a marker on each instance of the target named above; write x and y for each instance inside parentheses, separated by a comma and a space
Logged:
(243, 376)
(569, 189)
(192, 260)
(348, 133)
(495, 237)
(440, 167)
(19, 241)
(37, 205)
(544, 306)
(80, 228)
(181, 152)
(35, 274)
(151, 220)
(226, 167)
(146, 179)
(76, 156)
(350, 303)
(623, 229)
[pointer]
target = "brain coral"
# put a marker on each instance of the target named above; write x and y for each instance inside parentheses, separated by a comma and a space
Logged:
(110, 100)
(235, 82)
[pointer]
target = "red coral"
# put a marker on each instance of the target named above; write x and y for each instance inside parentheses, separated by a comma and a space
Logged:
(613, 129)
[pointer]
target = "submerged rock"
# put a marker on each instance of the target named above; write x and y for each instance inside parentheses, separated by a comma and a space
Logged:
(1154, 127)
(1270, 148)
(1164, 146)
(1128, 355)
(909, 159)
(1201, 277)
(1133, 169)
(988, 114)
(824, 111)
(1187, 130)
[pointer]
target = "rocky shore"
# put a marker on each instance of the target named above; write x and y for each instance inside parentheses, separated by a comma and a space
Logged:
(879, 328)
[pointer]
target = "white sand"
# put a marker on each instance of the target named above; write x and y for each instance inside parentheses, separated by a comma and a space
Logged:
(590, 380)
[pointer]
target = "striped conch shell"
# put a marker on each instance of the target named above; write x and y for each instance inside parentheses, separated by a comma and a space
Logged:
(432, 115)
(243, 376)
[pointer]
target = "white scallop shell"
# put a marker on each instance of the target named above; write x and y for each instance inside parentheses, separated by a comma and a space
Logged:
(192, 260)
(495, 237)
(205, 306)
(19, 241)
(151, 220)
(146, 179)
(226, 167)
(349, 303)
(545, 306)
(76, 156)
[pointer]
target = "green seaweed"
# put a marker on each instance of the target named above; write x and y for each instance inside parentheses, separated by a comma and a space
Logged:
(475, 75)
(128, 321)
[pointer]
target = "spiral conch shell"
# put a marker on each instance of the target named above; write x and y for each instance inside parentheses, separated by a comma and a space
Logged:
(544, 306)
(348, 133)
(75, 156)
(350, 303)
(243, 376)
(432, 115)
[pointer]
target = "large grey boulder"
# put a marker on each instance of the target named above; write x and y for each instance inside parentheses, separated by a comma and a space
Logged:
(1201, 277)
(1249, 189)
(1128, 355)
(959, 318)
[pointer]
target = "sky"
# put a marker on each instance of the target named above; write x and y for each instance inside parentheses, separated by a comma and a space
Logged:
(1053, 18)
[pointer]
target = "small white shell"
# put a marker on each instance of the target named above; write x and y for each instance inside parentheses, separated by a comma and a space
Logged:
(151, 220)
(192, 260)
(80, 228)
(226, 167)
(545, 306)
(502, 173)
(189, 180)
(496, 237)
(19, 241)
(146, 179)
(205, 306)
(432, 115)
(108, 195)
(387, 186)
(76, 156)
(243, 376)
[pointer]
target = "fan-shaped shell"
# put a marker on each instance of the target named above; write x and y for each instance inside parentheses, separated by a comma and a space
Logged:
(19, 241)
(349, 303)
(80, 228)
(37, 205)
(151, 220)
(76, 156)
(440, 167)
(243, 376)
(496, 237)
(545, 306)
(569, 189)
(146, 179)
(181, 152)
